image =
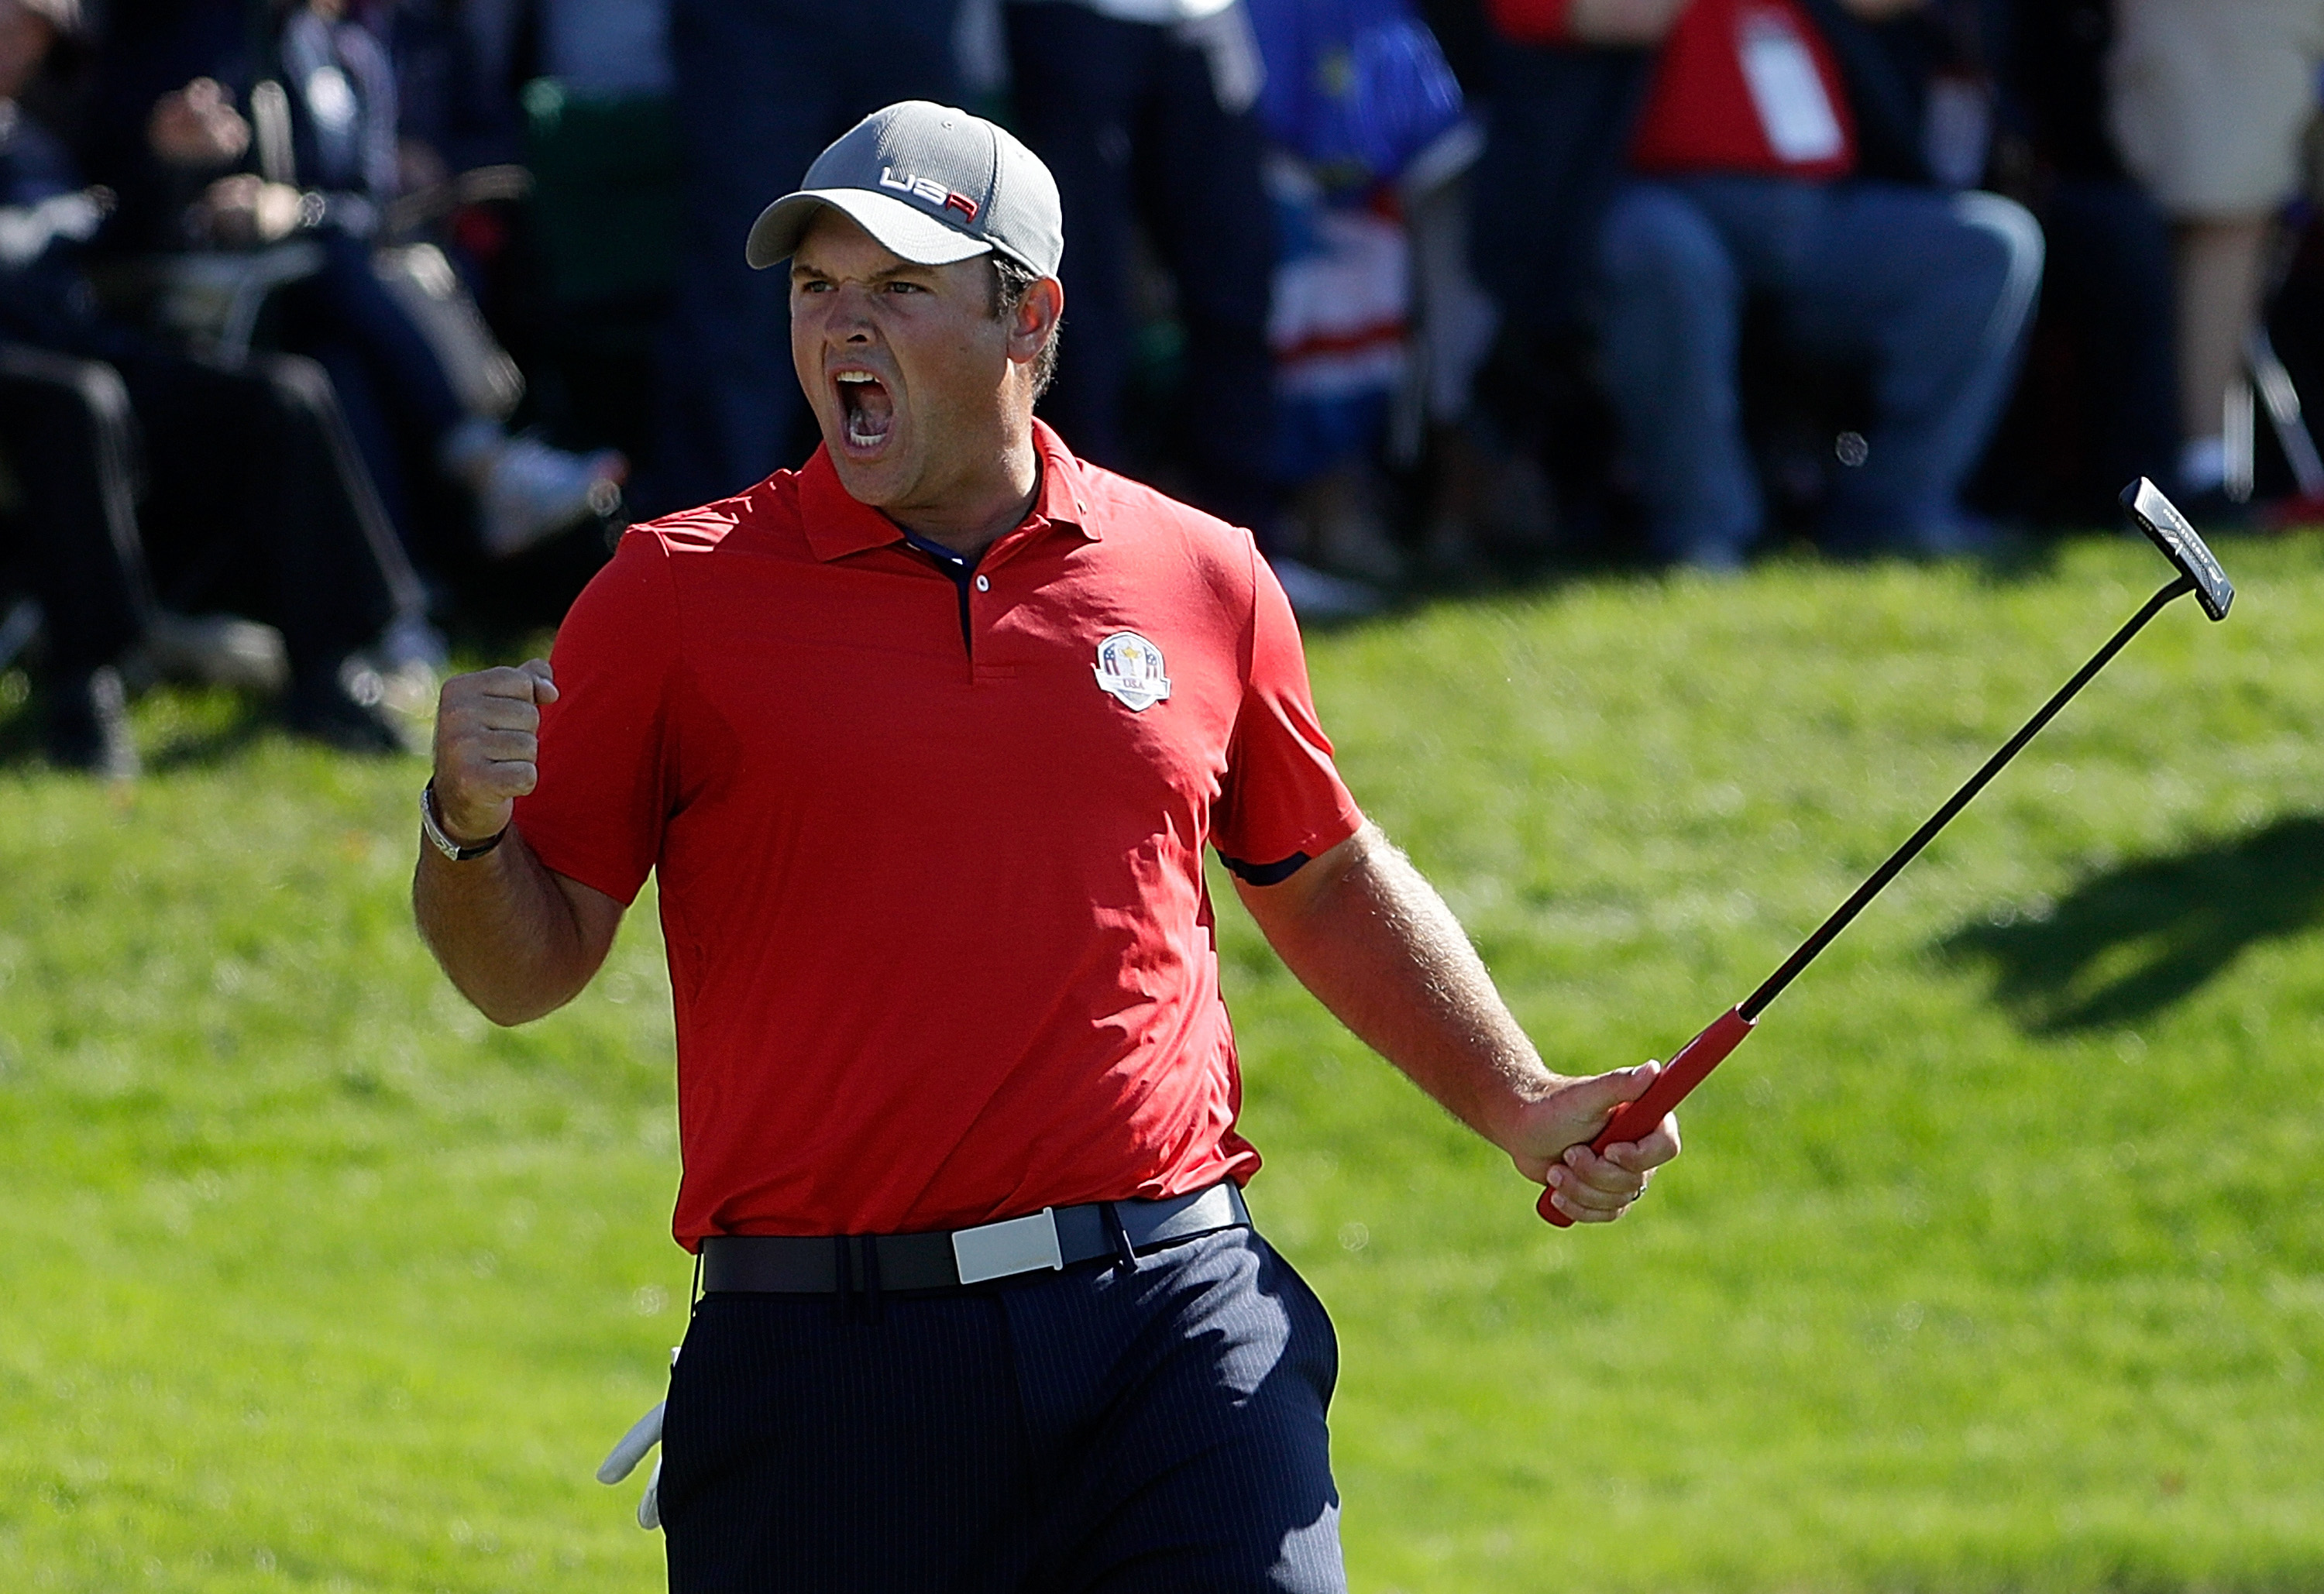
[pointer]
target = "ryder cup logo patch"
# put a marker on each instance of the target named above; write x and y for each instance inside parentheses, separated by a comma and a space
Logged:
(1130, 667)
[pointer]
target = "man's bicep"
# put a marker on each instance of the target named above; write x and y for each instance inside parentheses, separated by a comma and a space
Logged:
(1278, 904)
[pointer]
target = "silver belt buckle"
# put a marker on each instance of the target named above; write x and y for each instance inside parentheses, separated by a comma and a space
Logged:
(1018, 1244)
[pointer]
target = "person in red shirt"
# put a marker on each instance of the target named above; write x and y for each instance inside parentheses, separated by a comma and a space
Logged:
(1742, 178)
(925, 741)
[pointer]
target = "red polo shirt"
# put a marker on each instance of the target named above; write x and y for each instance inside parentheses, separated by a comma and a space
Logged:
(1746, 85)
(931, 881)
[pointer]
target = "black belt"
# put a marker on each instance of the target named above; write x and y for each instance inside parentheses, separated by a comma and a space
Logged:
(1052, 1238)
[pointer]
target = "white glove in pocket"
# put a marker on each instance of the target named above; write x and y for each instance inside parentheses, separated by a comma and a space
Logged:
(642, 1436)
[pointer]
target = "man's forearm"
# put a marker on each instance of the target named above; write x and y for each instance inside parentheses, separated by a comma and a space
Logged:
(1378, 947)
(503, 929)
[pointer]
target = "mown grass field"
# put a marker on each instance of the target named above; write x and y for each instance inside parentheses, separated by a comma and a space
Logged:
(1996, 1261)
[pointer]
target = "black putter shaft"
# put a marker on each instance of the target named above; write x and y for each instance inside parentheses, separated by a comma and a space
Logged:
(1755, 1004)
(2198, 573)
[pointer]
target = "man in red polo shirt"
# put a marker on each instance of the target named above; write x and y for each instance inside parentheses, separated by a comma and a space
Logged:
(925, 741)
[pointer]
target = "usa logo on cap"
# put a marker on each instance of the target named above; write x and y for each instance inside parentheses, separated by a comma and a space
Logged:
(1131, 668)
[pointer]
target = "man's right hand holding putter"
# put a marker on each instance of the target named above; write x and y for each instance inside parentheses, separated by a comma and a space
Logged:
(518, 939)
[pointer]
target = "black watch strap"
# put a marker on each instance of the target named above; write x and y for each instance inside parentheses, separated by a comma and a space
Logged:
(433, 829)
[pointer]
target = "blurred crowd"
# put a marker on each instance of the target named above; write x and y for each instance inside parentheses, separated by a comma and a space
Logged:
(328, 327)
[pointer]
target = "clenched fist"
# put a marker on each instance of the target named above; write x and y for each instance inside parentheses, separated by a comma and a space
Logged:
(488, 746)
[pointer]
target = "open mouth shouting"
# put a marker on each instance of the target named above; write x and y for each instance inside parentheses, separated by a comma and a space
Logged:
(868, 407)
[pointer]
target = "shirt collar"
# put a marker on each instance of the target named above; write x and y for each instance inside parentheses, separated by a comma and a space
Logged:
(837, 525)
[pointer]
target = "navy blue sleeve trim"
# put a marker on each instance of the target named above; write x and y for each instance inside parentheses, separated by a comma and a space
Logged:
(1265, 874)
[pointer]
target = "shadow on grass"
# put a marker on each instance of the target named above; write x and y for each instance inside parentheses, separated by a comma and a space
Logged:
(2130, 942)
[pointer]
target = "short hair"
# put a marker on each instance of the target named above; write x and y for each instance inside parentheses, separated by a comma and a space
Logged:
(1011, 281)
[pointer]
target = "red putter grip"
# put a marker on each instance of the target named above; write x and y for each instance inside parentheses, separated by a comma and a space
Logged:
(1672, 1086)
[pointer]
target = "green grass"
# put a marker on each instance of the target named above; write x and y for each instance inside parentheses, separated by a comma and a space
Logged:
(1995, 1262)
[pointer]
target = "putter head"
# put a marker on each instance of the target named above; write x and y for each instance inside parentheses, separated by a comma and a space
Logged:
(2168, 529)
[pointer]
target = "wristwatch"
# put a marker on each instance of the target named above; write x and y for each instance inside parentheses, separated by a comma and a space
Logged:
(433, 830)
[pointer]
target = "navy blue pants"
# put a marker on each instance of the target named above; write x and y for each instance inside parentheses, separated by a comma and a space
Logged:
(1117, 1427)
(1933, 289)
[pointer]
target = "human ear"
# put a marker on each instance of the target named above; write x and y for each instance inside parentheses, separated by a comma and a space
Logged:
(1037, 317)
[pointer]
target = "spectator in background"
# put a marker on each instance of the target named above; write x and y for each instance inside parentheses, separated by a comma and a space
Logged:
(761, 86)
(604, 216)
(1704, 153)
(322, 164)
(1375, 325)
(252, 498)
(456, 107)
(2101, 405)
(1146, 110)
(2208, 105)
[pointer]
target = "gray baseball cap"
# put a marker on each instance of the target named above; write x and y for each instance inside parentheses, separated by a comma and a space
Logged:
(932, 183)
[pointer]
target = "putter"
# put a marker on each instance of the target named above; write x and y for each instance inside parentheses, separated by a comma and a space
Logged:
(2198, 573)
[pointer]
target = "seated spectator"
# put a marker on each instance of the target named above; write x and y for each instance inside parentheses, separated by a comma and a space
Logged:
(1701, 153)
(2208, 103)
(251, 498)
(317, 158)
